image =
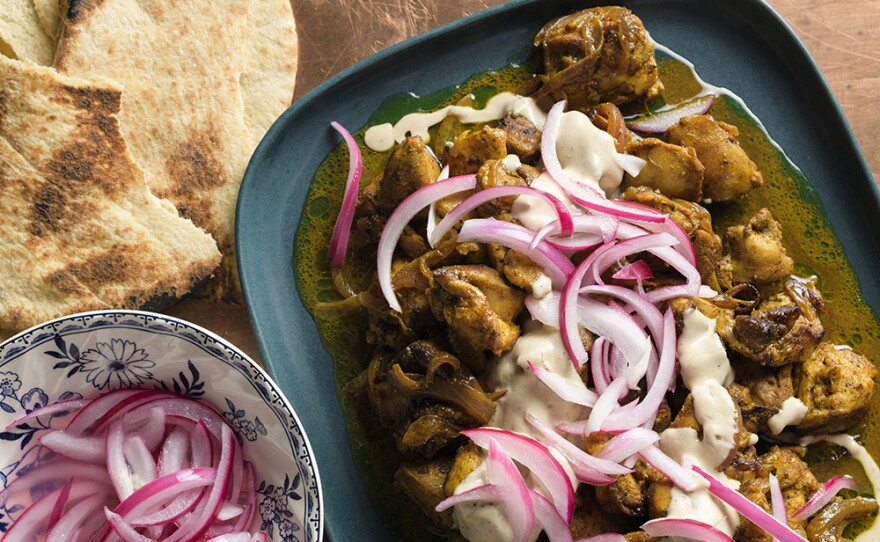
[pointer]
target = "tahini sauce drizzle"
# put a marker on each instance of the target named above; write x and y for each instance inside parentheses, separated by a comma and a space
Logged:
(382, 137)
(705, 371)
(542, 345)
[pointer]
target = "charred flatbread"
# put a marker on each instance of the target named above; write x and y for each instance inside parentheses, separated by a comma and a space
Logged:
(80, 228)
(197, 104)
(21, 35)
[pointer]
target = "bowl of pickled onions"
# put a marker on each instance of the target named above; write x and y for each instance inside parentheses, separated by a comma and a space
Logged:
(138, 427)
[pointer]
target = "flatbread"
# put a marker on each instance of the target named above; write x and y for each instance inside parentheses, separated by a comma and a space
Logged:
(270, 62)
(81, 230)
(21, 35)
(179, 63)
(49, 15)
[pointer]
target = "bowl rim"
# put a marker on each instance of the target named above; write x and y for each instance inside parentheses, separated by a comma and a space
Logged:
(267, 378)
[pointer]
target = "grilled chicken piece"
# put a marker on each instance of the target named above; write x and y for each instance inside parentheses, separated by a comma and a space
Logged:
(423, 483)
(627, 495)
(598, 55)
(729, 172)
(795, 479)
(692, 217)
(467, 459)
(607, 116)
(778, 332)
(472, 149)
(495, 173)
(754, 253)
(518, 269)
(836, 384)
(672, 170)
(523, 137)
(410, 167)
(754, 415)
(478, 306)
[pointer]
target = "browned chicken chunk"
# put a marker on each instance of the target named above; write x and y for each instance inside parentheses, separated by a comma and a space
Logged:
(410, 167)
(729, 172)
(692, 217)
(598, 55)
(472, 149)
(495, 173)
(523, 137)
(478, 306)
(795, 479)
(836, 384)
(423, 483)
(754, 253)
(674, 171)
(776, 333)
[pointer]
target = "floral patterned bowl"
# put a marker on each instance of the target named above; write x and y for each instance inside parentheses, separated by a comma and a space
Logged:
(90, 354)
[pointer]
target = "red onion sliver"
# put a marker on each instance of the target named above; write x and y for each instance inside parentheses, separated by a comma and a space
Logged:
(75, 517)
(604, 537)
(534, 456)
(513, 492)
(60, 503)
(514, 236)
(749, 510)
(140, 460)
(599, 368)
(487, 492)
(149, 425)
(342, 229)
(123, 529)
(678, 475)
(116, 465)
(650, 404)
(175, 450)
(657, 123)
(567, 390)
(686, 528)
(607, 403)
(479, 198)
(586, 467)
(201, 445)
(651, 315)
(81, 448)
(823, 496)
(201, 520)
(406, 211)
(628, 443)
(630, 163)
(71, 405)
(35, 517)
(94, 411)
(549, 519)
(182, 503)
(545, 309)
(630, 340)
(637, 270)
(777, 501)
(432, 209)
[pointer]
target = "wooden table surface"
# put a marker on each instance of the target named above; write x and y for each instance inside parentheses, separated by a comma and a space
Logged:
(842, 35)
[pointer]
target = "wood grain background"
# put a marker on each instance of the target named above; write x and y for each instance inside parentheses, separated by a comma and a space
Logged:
(842, 35)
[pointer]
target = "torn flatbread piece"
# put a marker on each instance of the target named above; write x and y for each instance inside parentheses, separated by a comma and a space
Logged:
(21, 35)
(81, 230)
(183, 115)
(270, 61)
(49, 15)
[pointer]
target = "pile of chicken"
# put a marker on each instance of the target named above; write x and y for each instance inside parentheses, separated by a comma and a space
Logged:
(462, 303)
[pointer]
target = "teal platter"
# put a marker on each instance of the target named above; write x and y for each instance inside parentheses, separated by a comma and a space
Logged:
(744, 46)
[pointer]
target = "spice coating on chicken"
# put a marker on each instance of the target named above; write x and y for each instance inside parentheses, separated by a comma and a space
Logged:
(836, 384)
(755, 253)
(598, 55)
(674, 171)
(729, 172)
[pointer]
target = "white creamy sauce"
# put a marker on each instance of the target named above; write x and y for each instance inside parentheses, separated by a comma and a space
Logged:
(705, 370)
(417, 124)
(872, 471)
(792, 413)
(586, 154)
(380, 138)
(541, 345)
(542, 286)
(535, 213)
(511, 163)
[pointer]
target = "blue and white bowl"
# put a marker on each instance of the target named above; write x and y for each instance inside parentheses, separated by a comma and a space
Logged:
(90, 354)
